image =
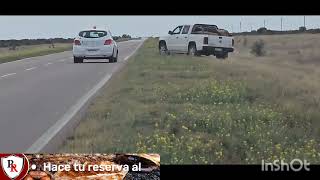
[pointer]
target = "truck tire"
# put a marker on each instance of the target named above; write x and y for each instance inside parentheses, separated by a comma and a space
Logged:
(222, 55)
(192, 50)
(163, 50)
(225, 55)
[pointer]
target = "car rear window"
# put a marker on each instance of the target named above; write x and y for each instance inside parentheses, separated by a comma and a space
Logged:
(92, 34)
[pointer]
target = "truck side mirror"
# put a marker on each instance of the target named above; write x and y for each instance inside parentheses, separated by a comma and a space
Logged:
(170, 32)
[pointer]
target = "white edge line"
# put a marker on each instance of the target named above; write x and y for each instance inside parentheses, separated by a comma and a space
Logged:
(8, 75)
(30, 68)
(126, 58)
(53, 130)
(44, 139)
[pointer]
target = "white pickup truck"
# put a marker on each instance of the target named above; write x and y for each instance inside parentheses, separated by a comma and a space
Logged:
(197, 39)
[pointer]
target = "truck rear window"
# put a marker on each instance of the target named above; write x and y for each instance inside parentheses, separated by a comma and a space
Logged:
(208, 29)
(92, 34)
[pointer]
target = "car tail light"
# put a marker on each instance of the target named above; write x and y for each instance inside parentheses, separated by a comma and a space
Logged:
(205, 40)
(77, 42)
(108, 42)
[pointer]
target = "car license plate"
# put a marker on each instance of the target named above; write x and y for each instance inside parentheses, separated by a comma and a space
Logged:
(218, 49)
(92, 50)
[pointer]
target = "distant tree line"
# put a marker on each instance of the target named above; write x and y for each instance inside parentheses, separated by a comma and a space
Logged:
(124, 36)
(265, 31)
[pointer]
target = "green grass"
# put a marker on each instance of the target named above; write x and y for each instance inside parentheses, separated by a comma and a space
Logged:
(201, 110)
(7, 55)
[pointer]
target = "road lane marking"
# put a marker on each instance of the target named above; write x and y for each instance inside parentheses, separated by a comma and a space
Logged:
(45, 138)
(48, 64)
(8, 75)
(33, 58)
(29, 69)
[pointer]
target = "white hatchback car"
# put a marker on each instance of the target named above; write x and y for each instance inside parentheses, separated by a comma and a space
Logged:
(95, 44)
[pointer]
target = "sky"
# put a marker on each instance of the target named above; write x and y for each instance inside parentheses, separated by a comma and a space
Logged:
(33, 27)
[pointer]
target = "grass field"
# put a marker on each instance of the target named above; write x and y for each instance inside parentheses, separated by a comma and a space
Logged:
(202, 110)
(21, 52)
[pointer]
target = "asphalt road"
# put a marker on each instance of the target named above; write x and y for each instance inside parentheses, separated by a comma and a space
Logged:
(36, 92)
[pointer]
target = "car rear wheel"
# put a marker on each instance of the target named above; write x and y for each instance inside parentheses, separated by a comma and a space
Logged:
(116, 58)
(77, 60)
(113, 59)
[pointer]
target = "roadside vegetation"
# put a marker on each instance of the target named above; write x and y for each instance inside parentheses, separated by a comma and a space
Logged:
(202, 110)
(8, 54)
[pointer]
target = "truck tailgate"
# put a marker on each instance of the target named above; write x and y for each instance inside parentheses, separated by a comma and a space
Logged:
(220, 41)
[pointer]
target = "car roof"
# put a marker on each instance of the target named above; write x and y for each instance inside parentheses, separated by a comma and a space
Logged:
(95, 29)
